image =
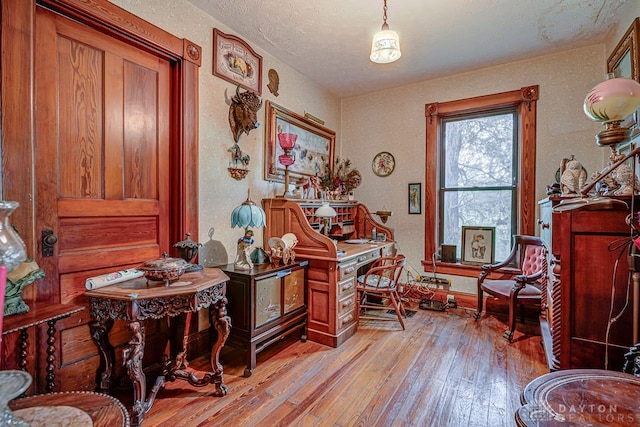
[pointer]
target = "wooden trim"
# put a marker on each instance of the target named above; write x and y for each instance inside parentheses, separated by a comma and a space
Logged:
(525, 99)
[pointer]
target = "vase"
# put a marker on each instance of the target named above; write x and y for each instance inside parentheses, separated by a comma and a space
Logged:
(12, 249)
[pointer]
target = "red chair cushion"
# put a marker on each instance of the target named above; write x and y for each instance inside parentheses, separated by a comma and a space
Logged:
(502, 288)
(533, 260)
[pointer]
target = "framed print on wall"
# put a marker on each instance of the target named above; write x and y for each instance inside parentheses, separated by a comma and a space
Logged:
(624, 62)
(383, 164)
(415, 198)
(236, 62)
(478, 245)
(313, 149)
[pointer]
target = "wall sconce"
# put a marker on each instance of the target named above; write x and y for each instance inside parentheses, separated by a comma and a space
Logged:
(384, 215)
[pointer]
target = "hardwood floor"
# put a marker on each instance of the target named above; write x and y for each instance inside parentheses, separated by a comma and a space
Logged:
(445, 369)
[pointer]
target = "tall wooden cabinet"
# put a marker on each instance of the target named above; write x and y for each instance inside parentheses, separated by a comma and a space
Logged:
(333, 263)
(588, 286)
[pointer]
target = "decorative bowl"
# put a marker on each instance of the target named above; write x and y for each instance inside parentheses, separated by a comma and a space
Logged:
(164, 269)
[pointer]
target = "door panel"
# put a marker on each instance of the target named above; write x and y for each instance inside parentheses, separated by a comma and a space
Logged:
(103, 141)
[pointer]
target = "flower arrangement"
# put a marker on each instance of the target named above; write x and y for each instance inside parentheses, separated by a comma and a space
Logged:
(341, 179)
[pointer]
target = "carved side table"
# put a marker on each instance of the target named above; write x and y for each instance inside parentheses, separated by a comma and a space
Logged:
(136, 301)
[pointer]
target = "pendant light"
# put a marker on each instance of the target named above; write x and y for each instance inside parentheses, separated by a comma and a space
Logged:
(385, 47)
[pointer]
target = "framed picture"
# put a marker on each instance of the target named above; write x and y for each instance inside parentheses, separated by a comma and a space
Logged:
(235, 62)
(624, 62)
(478, 245)
(383, 164)
(415, 198)
(313, 149)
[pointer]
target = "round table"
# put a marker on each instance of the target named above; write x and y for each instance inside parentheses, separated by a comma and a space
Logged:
(591, 397)
(104, 410)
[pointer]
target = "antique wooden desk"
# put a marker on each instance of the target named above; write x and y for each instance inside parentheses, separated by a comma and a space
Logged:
(39, 313)
(574, 397)
(104, 410)
(136, 301)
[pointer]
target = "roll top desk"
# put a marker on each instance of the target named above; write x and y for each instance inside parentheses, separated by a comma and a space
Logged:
(333, 267)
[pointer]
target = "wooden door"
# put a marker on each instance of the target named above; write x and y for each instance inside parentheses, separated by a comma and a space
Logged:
(102, 178)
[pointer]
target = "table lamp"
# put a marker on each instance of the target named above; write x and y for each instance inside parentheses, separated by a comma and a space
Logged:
(325, 213)
(287, 141)
(610, 102)
(248, 214)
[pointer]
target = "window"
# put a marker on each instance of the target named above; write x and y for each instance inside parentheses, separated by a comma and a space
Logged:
(480, 170)
(477, 183)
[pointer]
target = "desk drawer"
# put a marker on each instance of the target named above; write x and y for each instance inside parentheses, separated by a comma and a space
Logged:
(345, 320)
(346, 286)
(367, 258)
(346, 269)
(347, 304)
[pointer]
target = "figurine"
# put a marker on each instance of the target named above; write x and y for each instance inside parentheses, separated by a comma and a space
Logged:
(626, 179)
(243, 257)
(573, 177)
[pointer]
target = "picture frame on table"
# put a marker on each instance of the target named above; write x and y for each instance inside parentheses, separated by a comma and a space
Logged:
(478, 245)
(314, 147)
(624, 62)
(415, 198)
(236, 62)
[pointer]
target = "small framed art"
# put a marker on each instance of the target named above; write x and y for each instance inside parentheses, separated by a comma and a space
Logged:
(415, 198)
(383, 164)
(478, 245)
(235, 62)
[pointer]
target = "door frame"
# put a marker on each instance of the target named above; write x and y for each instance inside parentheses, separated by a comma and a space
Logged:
(18, 130)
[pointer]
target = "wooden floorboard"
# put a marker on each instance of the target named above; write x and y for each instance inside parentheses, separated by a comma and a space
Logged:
(445, 369)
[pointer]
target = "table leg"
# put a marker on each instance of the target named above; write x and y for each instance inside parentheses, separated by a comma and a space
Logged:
(132, 360)
(219, 319)
(100, 334)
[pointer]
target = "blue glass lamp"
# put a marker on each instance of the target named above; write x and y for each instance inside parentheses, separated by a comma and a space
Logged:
(247, 215)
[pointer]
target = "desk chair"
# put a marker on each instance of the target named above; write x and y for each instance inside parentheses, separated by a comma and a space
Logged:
(380, 282)
(526, 275)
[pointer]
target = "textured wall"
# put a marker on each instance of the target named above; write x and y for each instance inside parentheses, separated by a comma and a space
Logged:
(219, 193)
(393, 120)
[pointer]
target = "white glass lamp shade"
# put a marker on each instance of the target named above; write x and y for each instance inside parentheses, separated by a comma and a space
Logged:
(385, 46)
(326, 211)
(248, 214)
(612, 100)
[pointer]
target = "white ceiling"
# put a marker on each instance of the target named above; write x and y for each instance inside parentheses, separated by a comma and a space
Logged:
(329, 40)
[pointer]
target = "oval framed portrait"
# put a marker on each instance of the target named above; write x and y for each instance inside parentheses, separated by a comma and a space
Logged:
(383, 164)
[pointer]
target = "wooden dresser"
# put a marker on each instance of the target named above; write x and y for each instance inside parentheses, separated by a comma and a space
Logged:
(333, 266)
(577, 302)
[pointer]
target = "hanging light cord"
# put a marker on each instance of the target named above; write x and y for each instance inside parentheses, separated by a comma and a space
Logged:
(384, 14)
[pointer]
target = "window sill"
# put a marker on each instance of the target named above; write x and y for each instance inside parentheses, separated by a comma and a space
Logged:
(465, 270)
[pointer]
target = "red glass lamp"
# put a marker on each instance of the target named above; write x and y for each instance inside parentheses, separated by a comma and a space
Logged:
(287, 141)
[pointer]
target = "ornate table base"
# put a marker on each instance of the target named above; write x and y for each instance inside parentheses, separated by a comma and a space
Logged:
(203, 292)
